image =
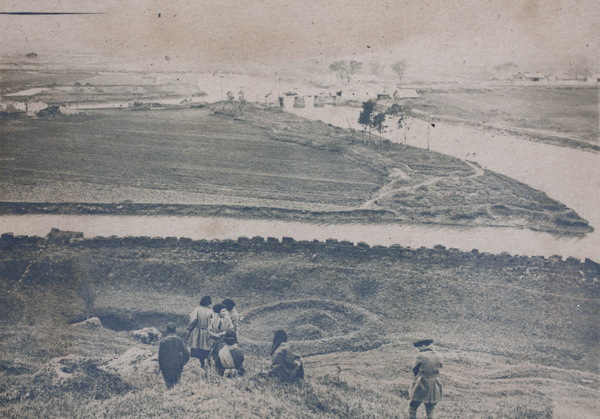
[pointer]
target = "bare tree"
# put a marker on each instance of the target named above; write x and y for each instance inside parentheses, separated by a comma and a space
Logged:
(355, 67)
(341, 68)
(399, 68)
(404, 125)
(242, 101)
(345, 69)
(230, 98)
(378, 124)
(579, 68)
(376, 68)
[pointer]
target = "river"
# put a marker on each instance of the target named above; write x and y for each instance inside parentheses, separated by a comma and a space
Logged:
(567, 175)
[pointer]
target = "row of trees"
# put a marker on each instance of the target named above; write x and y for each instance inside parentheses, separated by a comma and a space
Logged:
(346, 69)
(370, 119)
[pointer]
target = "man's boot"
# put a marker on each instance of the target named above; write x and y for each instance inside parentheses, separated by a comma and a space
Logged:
(430, 408)
(412, 412)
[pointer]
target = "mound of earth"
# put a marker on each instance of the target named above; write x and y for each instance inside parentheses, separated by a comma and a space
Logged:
(314, 326)
(77, 374)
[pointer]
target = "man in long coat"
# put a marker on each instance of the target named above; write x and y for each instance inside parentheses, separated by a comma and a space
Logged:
(426, 387)
(199, 341)
(172, 356)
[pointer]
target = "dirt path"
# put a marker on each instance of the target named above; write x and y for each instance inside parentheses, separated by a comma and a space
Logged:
(390, 188)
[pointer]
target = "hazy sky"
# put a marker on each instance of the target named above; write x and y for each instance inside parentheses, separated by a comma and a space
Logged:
(437, 33)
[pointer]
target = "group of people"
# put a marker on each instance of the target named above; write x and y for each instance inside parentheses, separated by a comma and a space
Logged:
(213, 339)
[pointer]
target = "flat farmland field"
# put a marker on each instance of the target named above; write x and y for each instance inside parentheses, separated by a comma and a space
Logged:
(266, 163)
(562, 115)
(183, 156)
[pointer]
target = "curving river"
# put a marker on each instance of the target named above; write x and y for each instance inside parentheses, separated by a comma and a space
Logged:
(570, 176)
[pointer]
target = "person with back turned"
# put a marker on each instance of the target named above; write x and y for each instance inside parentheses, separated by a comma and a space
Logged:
(172, 356)
(230, 361)
(426, 387)
(219, 325)
(199, 341)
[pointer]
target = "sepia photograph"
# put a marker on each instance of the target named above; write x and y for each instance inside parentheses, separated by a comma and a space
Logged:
(300, 209)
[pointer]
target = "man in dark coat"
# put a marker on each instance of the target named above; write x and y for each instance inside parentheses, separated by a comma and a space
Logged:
(426, 387)
(172, 356)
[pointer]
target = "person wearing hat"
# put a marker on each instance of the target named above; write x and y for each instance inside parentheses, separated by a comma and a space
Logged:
(286, 365)
(426, 387)
(233, 313)
(172, 356)
(199, 341)
(219, 325)
(230, 361)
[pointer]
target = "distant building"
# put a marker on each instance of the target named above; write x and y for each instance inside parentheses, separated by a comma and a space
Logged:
(34, 107)
(13, 109)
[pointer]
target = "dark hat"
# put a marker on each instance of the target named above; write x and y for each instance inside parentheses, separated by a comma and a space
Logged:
(171, 328)
(424, 342)
(230, 337)
(205, 301)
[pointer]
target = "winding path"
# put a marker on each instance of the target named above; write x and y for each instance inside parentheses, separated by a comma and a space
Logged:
(388, 189)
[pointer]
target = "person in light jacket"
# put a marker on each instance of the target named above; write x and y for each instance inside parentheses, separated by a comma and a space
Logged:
(199, 341)
(172, 356)
(233, 313)
(219, 325)
(230, 361)
(426, 387)
(286, 365)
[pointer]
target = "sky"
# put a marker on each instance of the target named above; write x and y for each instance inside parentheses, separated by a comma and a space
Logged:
(442, 35)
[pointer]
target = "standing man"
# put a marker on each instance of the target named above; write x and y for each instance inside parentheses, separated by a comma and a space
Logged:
(172, 356)
(426, 387)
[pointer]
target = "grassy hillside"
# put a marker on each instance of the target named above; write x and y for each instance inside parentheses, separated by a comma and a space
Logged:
(519, 335)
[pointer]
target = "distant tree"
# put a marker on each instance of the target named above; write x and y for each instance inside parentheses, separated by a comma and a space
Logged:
(579, 68)
(399, 68)
(366, 116)
(355, 67)
(230, 98)
(404, 125)
(341, 68)
(378, 124)
(376, 68)
(242, 101)
(345, 69)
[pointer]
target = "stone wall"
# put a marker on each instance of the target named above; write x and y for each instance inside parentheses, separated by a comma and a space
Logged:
(437, 254)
